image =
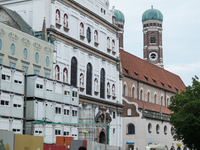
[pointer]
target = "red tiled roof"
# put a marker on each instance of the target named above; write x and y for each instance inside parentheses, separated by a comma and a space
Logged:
(135, 65)
(150, 106)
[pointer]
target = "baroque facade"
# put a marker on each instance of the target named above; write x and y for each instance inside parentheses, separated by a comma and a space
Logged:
(86, 56)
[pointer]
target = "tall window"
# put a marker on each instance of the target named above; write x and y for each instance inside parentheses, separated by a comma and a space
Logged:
(95, 36)
(0, 61)
(74, 72)
(167, 102)
(141, 93)
(0, 44)
(13, 49)
(148, 96)
(161, 100)
(153, 38)
(133, 91)
(88, 35)
(124, 90)
(155, 96)
(102, 84)
(37, 72)
(89, 79)
(131, 129)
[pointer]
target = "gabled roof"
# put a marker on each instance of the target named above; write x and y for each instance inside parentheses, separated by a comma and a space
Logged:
(18, 20)
(144, 71)
(150, 106)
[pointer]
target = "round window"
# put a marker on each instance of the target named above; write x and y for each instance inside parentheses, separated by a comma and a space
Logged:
(25, 53)
(0, 44)
(13, 49)
(47, 61)
(36, 57)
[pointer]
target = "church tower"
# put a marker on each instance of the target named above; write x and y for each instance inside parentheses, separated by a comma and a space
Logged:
(119, 21)
(152, 20)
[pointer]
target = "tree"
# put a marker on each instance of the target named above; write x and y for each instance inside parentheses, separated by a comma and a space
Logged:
(186, 115)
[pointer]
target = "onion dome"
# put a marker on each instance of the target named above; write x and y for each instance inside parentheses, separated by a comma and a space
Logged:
(152, 14)
(119, 16)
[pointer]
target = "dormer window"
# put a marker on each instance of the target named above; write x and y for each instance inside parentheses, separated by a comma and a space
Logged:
(126, 70)
(146, 78)
(154, 81)
(169, 87)
(176, 89)
(136, 74)
(162, 84)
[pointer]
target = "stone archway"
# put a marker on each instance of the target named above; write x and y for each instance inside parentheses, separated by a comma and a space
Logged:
(102, 137)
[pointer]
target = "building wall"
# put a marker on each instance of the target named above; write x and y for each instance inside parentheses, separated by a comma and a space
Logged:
(138, 85)
(142, 137)
(33, 45)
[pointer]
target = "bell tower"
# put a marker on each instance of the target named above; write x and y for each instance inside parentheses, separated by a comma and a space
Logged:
(152, 20)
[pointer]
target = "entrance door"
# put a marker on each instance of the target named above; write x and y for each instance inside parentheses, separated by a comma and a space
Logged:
(130, 147)
(102, 137)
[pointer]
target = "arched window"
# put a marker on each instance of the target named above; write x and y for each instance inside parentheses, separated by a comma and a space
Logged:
(167, 102)
(102, 84)
(47, 61)
(124, 90)
(81, 29)
(57, 16)
(133, 91)
(25, 53)
(89, 79)
(155, 97)
(153, 38)
(131, 129)
(88, 35)
(65, 20)
(13, 49)
(108, 42)
(36, 57)
(148, 96)
(57, 72)
(96, 36)
(65, 75)
(141, 93)
(74, 72)
(113, 45)
(161, 100)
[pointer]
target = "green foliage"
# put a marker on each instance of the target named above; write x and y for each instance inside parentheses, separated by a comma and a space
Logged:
(186, 116)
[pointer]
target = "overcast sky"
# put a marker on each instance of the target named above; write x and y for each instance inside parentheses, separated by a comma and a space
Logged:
(181, 33)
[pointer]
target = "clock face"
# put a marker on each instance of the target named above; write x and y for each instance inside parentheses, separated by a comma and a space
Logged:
(153, 56)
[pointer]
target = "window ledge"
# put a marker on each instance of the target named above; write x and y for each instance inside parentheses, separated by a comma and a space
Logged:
(58, 25)
(66, 29)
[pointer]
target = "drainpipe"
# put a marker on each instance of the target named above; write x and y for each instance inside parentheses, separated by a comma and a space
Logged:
(25, 101)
